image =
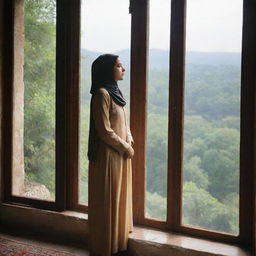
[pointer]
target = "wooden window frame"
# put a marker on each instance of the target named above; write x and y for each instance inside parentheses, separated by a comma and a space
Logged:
(139, 63)
(67, 93)
(71, 65)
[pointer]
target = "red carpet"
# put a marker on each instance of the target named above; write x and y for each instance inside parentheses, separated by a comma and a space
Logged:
(16, 248)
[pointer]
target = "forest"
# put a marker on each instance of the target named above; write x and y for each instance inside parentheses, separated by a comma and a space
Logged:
(211, 124)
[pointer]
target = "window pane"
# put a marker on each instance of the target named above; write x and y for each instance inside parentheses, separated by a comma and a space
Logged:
(39, 101)
(157, 118)
(212, 115)
(105, 28)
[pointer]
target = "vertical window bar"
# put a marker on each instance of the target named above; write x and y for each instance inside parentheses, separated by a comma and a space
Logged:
(248, 103)
(67, 103)
(176, 110)
(139, 46)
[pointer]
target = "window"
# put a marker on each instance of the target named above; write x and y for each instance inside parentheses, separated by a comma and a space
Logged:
(95, 18)
(49, 160)
(212, 116)
(157, 109)
(221, 137)
(38, 96)
(37, 167)
(182, 116)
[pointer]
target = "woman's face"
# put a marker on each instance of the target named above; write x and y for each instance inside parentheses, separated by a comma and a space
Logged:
(118, 70)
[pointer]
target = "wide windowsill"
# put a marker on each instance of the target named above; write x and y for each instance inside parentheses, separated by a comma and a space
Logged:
(193, 246)
(141, 240)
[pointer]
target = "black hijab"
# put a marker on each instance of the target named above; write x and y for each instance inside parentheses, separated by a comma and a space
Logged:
(102, 77)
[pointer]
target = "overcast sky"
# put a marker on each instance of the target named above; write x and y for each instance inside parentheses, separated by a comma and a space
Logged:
(212, 25)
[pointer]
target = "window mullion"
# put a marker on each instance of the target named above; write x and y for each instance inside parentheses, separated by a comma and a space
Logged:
(67, 103)
(176, 110)
(248, 101)
(73, 42)
(61, 105)
(139, 48)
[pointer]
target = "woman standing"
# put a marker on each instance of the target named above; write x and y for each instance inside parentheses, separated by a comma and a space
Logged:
(109, 152)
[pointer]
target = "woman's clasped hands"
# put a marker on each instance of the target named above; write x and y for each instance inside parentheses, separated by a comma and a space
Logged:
(129, 152)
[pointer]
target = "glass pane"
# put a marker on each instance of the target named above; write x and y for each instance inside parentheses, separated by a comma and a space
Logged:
(39, 100)
(157, 117)
(105, 28)
(212, 115)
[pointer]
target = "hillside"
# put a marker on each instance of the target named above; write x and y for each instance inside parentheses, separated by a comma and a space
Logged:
(159, 58)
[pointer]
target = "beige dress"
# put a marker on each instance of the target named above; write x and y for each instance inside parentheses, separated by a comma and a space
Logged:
(110, 179)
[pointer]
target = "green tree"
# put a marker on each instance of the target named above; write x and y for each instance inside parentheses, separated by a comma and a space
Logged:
(200, 209)
(157, 154)
(155, 206)
(39, 92)
(193, 172)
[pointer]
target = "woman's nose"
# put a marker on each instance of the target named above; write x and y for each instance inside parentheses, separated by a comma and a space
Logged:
(123, 69)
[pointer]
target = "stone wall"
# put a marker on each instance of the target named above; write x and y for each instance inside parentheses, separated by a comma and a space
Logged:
(18, 100)
(18, 155)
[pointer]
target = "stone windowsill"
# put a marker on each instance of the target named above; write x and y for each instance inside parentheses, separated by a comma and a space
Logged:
(183, 245)
(157, 237)
(143, 239)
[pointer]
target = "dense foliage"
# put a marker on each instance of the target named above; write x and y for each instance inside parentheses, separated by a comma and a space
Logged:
(211, 146)
(211, 127)
(39, 92)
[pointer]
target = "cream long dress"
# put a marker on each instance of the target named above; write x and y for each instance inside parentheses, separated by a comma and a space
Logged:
(110, 179)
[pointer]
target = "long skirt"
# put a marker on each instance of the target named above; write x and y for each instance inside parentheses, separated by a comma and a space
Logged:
(110, 203)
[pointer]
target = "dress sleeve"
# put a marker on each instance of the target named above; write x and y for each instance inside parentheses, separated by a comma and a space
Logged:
(100, 109)
(129, 138)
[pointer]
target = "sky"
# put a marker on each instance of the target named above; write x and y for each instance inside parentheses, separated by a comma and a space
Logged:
(212, 25)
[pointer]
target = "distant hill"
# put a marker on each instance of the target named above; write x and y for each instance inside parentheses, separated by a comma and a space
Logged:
(214, 58)
(159, 59)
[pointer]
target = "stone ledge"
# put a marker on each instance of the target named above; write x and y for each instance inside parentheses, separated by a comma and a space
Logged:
(26, 209)
(65, 226)
(145, 242)
(72, 226)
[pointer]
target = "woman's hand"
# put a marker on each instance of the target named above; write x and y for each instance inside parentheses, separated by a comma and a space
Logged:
(129, 140)
(129, 152)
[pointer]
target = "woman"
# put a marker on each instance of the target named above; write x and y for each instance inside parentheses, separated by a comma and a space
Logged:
(109, 152)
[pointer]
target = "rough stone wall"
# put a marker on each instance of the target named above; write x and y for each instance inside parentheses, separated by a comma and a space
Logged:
(18, 100)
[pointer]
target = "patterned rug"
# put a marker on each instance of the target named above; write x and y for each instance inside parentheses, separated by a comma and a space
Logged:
(16, 248)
